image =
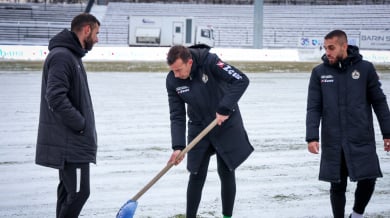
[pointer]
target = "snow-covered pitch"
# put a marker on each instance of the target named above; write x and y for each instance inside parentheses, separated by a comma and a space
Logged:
(280, 179)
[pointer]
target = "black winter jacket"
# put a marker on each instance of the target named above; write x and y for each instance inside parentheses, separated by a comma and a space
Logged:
(341, 97)
(213, 86)
(66, 131)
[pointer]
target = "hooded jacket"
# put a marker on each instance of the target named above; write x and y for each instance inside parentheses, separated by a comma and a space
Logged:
(213, 86)
(66, 131)
(342, 97)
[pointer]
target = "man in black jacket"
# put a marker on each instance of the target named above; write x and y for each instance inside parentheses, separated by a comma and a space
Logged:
(342, 93)
(67, 138)
(211, 89)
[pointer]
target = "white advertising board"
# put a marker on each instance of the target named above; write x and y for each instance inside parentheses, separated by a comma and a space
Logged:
(39, 53)
(370, 39)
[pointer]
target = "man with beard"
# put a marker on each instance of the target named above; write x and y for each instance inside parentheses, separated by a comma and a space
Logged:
(342, 92)
(67, 138)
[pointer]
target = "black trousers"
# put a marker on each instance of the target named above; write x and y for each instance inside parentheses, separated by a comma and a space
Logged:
(73, 189)
(196, 183)
(364, 190)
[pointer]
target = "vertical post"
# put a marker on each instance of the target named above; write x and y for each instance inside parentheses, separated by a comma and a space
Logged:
(258, 24)
(89, 6)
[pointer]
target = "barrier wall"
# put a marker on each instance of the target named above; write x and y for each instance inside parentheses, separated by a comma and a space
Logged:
(39, 53)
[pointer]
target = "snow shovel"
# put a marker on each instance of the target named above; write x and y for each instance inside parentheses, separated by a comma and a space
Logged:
(128, 209)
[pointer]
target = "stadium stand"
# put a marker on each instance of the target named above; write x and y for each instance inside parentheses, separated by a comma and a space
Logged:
(34, 23)
(233, 24)
(283, 25)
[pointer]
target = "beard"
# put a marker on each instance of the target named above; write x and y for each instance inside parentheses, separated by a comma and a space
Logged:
(335, 60)
(88, 42)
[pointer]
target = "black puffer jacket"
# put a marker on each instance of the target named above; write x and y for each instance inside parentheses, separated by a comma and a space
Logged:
(213, 86)
(341, 97)
(66, 131)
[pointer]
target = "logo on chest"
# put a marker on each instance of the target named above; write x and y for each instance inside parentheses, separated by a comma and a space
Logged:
(327, 79)
(205, 78)
(355, 74)
(182, 89)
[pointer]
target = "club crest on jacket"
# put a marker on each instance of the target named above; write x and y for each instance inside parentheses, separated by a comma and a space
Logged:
(205, 78)
(355, 74)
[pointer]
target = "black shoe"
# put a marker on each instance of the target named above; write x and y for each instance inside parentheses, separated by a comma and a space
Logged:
(350, 215)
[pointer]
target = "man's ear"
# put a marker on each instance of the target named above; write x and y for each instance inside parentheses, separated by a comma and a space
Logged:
(345, 46)
(87, 29)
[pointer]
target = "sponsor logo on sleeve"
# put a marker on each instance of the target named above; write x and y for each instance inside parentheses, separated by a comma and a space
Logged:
(229, 69)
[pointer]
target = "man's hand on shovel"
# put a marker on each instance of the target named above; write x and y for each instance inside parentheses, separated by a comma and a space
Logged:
(175, 158)
(128, 209)
(221, 118)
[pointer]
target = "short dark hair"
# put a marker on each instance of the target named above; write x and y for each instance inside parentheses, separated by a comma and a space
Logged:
(341, 35)
(178, 52)
(82, 20)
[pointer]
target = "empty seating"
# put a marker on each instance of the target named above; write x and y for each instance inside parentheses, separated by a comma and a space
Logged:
(233, 24)
(283, 25)
(33, 23)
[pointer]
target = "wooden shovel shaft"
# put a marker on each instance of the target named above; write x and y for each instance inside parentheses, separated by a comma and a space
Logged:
(181, 154)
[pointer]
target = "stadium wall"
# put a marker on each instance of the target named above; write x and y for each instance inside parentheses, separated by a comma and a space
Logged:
(39, 53)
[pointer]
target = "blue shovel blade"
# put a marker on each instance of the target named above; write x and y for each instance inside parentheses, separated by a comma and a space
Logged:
(127, 210)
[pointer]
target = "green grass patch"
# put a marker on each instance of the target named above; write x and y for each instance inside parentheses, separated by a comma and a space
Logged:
(161, 66)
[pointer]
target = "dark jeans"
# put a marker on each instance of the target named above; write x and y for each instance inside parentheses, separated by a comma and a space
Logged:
(363, 193)
(196, 182)
(73, 190)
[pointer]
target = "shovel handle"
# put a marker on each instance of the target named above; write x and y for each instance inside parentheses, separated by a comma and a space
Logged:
(181, 154)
